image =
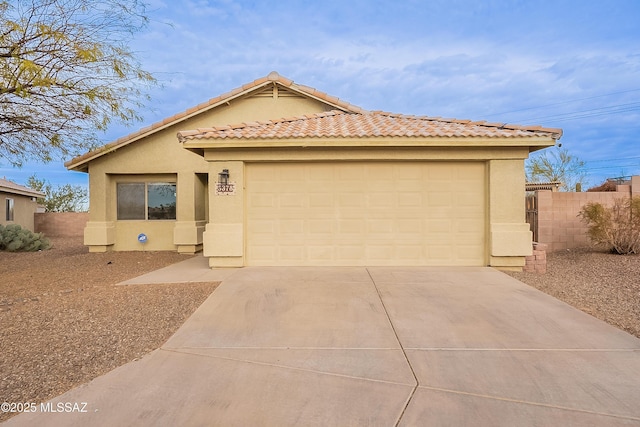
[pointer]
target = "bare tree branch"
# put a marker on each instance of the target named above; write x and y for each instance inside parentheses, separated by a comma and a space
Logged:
(66, 72)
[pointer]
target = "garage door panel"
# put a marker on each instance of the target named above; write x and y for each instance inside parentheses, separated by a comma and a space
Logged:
(410, 226)
(410, 199)
(291, 200)
(295, 253)
(351, 200)
(379, 226)
(257, 227)
(351, 252)
(351, 226)
(321, 226)
(365, 214)
(291, 226)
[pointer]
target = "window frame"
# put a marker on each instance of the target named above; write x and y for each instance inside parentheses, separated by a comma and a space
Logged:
(9, 209)
(146, 184)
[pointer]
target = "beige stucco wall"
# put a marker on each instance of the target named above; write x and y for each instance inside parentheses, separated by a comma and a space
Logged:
(160, 153)
(508, 236)
(217, 223)
(23, 210)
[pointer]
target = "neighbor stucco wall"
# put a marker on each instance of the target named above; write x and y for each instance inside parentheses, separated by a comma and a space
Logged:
(23, 210)
(559, 225)
(61, 224)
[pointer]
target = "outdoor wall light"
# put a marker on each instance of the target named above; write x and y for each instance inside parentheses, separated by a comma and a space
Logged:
(223, 177)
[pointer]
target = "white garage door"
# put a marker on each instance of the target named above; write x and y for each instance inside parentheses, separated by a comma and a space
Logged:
(404, 213)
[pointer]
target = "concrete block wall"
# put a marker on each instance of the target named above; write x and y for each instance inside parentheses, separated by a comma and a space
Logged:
(560, 227)
(61, 224)
(537, 261)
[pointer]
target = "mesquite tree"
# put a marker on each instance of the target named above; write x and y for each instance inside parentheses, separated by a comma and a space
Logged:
(61, 198)
(66, 72)
(556, 165)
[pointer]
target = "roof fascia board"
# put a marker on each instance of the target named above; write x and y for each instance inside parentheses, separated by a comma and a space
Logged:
(21, 192)
(213, 144)
(311, 154)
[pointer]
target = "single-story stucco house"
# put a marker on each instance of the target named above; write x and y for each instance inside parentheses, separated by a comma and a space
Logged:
(18, 203)
(276, 173)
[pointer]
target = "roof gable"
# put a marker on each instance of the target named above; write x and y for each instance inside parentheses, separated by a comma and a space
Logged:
(273, 85)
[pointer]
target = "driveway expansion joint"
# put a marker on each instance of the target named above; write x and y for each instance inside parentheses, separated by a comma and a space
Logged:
(404, 353)
(525, 402)
(293, 368)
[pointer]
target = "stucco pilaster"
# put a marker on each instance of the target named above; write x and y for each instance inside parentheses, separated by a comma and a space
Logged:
(100, 236)
(188, 230)
(185, 196)
(223, 238)
(100, 191)
(509, 234)
(100, 231)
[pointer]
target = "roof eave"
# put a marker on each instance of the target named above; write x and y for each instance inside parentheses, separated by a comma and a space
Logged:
(533, 143)
(21, 192)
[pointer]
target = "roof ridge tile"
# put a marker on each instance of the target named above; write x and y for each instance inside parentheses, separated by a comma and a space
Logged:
(338, 123)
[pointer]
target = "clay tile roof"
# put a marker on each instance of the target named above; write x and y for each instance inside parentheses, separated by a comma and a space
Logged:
(273, 77)
(534, 186)
(340, 124)
(11, 187)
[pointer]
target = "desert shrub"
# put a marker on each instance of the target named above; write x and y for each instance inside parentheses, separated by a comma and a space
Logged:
(14, 238)
(616, 226)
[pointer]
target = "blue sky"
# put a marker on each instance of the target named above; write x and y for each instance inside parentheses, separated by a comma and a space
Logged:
(568, 64)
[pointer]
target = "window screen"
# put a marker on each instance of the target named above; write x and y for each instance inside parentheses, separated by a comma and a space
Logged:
(131, 200)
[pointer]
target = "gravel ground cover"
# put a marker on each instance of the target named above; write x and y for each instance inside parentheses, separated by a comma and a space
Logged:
(602, 284)
(64, 322)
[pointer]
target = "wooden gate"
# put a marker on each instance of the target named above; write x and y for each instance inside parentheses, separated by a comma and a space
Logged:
(531, 204)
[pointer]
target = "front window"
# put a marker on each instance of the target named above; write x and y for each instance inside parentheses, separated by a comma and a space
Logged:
(146, 200)
(9, 209)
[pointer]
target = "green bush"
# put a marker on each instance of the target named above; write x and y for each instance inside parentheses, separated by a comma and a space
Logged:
(14, 238)
(616, 227)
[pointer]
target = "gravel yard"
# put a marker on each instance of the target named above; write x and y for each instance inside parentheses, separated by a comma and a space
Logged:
(64, 322)
(602, 284)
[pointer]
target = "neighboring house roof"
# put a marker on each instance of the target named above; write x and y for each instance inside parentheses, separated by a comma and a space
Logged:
(534, 186)
(340, 124)
(7, 186)
(79, 163)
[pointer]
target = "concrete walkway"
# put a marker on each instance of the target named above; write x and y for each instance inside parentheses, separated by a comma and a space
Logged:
(370, 346)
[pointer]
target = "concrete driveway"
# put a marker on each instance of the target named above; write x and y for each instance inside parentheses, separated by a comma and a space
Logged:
(372, 346)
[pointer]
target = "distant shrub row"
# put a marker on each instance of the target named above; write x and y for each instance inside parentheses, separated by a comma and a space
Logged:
(14, 238)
